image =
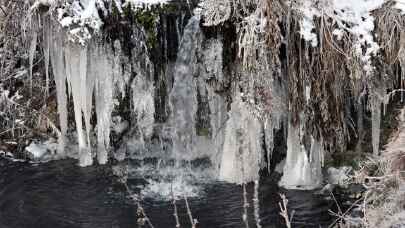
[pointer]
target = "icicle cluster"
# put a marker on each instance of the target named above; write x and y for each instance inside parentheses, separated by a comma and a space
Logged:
(85, 72)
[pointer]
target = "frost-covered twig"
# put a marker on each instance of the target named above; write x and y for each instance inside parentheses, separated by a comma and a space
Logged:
(175, 214)
(245, 205)
(51, 124)
(256, 204)
(193, 221)
(140, 211)
(284, 212)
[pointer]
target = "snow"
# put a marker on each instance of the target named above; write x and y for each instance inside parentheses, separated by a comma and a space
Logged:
(66, 21)
(144, 3)
(307, 23)
(400, 4)
(149, 2)
(39, 150)
(351, 16)
(82, 18)
(358, 13)
(79, 19)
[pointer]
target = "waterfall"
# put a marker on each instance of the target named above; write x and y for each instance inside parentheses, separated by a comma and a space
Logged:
(183, 96)
(198, 113)
(199, 123)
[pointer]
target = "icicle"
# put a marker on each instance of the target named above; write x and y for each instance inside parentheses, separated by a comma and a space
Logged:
(47, 40)
(144, 105)
(59, 72)
(101, 80)
(33, 47)
(76, 67)
(269, 140)
(88, 71)
(375, 123)
(360, 126)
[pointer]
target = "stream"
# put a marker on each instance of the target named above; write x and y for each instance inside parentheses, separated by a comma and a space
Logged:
(59, 194)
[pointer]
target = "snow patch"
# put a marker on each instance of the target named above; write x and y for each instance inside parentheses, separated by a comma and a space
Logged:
(144, 3)
(400, 4)
(351, 16)
(38, 150)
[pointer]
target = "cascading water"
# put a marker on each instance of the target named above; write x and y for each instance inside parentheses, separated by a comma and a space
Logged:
(191, 109)
(199, 125)
(183, 96)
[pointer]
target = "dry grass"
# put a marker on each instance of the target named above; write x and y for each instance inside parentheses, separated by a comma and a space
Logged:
(383, 202)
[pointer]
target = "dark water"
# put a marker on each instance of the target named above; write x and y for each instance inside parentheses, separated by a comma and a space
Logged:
(60, 194)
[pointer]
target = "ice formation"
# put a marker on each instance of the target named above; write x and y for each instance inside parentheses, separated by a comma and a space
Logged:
(144, 106)
(375, 122)
(47, 46)
(303, 168)
(33, 47)
(39, 151)
(59, 72)
(242, 151)
(87, 71)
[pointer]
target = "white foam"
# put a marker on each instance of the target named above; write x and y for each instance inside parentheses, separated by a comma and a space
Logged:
(165, 190)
